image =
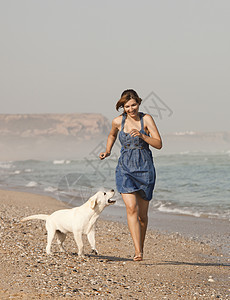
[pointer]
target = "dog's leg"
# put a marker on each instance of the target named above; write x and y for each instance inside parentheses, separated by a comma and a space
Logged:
(79, 242)
(60, 239)
(91, 239)
(50, 236)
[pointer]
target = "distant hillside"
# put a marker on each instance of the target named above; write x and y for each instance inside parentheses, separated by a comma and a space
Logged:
(50, 136)
(37, 125)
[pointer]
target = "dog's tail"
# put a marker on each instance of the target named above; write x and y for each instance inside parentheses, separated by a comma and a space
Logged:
(35, 217)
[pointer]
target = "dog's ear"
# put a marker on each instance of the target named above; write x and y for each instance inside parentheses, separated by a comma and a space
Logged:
(93, 201)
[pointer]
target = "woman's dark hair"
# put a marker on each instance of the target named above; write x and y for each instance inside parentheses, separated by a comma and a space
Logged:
(126, 96)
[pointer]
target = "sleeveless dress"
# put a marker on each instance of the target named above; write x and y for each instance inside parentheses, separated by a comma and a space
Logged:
(135, 169)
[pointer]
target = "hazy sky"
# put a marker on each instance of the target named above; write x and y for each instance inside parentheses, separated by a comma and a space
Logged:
(74, 56)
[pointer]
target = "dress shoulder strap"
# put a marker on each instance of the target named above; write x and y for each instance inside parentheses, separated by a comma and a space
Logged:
(142, 121)
(123, 121)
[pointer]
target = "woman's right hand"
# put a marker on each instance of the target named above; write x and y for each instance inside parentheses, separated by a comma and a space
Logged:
(104, 155)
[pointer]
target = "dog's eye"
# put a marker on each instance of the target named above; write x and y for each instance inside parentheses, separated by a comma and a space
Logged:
(104, 193)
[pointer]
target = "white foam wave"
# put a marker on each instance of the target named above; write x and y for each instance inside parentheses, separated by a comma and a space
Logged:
(61, 162)
(225, 216)
(179, 211)
(17, 172)
(28, 170)
(5, 165)
(58, 162)
(31, 184)
(50, 189)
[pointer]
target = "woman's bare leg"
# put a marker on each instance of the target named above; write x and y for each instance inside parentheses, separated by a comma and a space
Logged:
(143, 206)
(133, 220)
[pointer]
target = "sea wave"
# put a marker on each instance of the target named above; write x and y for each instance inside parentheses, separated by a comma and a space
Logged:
(165, 208)
(61, 162)
(58, 162)
(50, 189)
(17, 172)
(6, 165)
(32, 184)
(179, 211)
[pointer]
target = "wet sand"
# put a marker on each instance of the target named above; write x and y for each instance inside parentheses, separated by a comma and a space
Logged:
(215, 232)
(175, 265)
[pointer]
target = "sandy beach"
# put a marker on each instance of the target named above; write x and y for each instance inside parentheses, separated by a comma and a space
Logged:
(174, 266)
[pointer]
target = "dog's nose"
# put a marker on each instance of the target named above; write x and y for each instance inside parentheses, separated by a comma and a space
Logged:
(112, 190)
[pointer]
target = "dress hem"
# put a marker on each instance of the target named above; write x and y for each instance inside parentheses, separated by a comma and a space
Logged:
(133, 191)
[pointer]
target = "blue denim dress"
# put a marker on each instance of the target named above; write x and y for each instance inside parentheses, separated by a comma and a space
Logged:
(135, 170)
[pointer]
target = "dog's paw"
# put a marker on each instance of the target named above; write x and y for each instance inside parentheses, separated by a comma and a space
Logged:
(48, 249)
(82, 255)
(94, 251)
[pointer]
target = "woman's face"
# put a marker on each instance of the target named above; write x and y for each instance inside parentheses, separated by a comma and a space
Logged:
(131, 108)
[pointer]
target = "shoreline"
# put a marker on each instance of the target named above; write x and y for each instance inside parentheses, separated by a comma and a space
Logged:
(212, 231)
(173, 267)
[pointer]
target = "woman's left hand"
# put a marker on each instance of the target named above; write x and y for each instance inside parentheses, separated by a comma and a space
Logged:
(135, 132)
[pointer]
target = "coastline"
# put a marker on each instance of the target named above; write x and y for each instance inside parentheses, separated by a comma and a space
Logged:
(214, 232)
(175, 264)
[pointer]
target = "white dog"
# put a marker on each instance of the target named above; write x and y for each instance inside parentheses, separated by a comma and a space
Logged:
(78, 220)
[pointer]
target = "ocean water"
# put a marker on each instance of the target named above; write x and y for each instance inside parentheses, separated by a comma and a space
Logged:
(196, 184)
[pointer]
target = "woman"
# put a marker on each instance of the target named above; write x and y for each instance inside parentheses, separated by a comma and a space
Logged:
(135, 172)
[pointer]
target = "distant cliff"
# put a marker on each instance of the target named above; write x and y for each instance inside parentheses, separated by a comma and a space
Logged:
(50, 136)
(37, 125)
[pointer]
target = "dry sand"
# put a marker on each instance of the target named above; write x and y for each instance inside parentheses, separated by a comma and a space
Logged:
(174, 267)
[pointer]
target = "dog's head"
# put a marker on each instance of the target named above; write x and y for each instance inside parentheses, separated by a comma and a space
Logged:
(102, 199)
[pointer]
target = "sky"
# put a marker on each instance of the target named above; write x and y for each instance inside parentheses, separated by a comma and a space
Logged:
(74, 56)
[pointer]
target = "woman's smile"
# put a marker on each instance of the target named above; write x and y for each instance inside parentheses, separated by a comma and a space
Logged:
(131, 107)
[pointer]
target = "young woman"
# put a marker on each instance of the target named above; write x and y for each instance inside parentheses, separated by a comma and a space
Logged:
(135, 172)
